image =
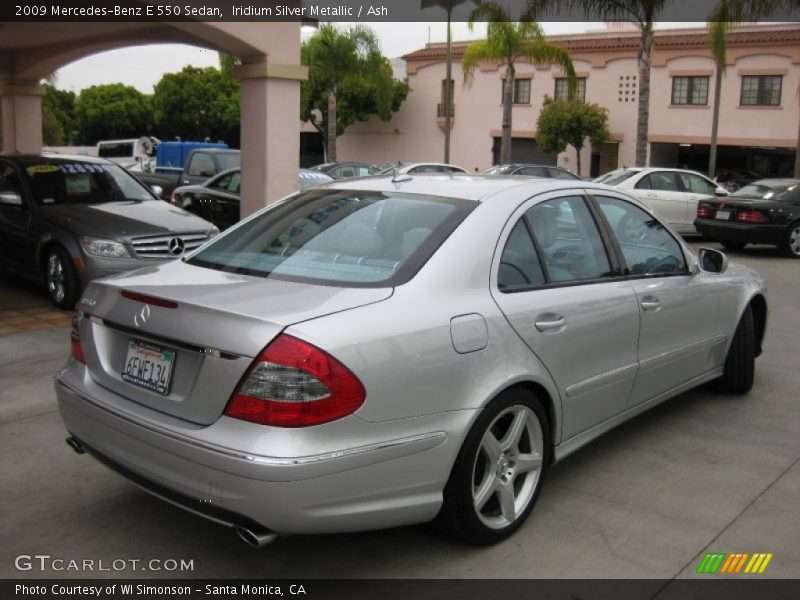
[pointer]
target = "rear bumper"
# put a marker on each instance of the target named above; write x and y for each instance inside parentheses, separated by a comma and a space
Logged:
(741, 232)
(392, 482)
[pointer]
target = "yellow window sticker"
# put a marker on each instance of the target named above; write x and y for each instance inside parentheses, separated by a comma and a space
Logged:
(33, 169)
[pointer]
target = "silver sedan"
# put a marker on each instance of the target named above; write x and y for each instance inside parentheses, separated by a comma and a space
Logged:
(381, 352)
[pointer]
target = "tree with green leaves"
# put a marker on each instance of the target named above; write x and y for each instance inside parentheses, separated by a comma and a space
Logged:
(506, 43)
(643, 13)
(197, 104)
(58, 116)
(565, 123)
(111, 111)
(725, 15)
(348, 80)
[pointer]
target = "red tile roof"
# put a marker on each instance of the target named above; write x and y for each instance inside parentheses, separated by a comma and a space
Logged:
(605, 42)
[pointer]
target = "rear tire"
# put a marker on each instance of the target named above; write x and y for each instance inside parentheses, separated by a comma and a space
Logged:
(791, 242)
(732, 245)
(499, 470)
(61, 278)
(740, 364)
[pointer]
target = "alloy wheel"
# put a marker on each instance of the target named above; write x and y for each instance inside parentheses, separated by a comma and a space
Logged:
(55, 277)
(794, 240)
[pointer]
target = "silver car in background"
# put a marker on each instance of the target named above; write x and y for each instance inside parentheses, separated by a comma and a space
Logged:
(382, 352)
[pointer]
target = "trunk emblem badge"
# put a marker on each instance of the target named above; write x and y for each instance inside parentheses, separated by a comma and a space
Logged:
(176, 246)
(140, 318)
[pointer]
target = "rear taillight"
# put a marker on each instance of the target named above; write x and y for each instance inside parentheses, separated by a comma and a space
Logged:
(750, 216)
(294, 384)
(75, 340)
(703, 212)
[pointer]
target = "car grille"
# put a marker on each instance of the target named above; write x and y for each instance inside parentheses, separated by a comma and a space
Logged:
(167, 246)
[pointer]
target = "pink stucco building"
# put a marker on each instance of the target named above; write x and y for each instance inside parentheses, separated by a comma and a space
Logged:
(759, 116)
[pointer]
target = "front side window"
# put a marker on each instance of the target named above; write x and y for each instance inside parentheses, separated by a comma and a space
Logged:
(568, 238)
(533, 171)
(690, 90)
(338, 237)
(660, 180)
(696, 184)
(761, 90)
(562, 89)
(9, 182)
(648, 248)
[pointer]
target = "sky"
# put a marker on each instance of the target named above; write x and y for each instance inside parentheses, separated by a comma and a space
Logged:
(144, 65)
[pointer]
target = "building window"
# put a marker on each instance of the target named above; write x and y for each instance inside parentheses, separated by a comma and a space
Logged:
(522, 91)
(690, 90)
(562, 89)
(764, 90)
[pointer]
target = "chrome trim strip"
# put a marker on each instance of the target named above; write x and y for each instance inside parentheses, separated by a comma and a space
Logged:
(162, 340)
(424, 440)
(598, 380)
(666, 357)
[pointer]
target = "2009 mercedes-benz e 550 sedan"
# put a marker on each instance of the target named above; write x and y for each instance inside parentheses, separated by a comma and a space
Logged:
(381, 352)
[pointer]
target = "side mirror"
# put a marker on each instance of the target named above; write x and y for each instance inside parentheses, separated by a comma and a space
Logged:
(720, 192)
(157, 190)
(10, 198)
(712, 261)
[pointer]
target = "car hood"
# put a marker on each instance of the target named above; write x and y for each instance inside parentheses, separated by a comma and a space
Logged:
(123, 219)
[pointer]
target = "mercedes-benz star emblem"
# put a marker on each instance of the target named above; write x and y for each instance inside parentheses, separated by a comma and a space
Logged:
(140, 318)
(176, 246)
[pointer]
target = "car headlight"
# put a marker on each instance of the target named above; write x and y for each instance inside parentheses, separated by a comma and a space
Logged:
(213, 232)
(105, 248)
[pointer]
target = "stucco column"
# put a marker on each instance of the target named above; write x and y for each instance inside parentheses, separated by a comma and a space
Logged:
(22, 117)
(270, 113)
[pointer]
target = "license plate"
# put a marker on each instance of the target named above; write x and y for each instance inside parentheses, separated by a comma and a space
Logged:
(723, 215)
(149, 367)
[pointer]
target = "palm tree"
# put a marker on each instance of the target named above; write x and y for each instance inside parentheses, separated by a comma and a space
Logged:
(332, 55)
(507, 42)
(728, 12)
(643, 13)
(716, 39)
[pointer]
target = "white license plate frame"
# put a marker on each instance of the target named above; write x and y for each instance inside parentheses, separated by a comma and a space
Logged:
(723, 215)
(157, 377)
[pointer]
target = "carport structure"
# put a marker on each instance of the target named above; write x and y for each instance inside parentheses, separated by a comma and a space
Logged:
(270, 75)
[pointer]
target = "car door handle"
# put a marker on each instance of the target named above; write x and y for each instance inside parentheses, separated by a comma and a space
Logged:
(650, 303)
(550, 322)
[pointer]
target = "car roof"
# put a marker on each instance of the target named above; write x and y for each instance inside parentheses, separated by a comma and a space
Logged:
(466, 186)
(55, 158)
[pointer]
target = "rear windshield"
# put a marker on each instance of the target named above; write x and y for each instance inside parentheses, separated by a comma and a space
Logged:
(615, 177)
(338, 237)
(82, 183)
(767, 191)
(228, 160)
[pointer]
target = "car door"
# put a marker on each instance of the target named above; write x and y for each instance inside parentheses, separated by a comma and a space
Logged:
(16, 248)
(696, 187)
(678, 333)
(558, 288)
(663, 192)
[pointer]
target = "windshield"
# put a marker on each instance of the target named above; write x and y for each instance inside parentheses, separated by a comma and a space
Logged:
(359, 239)
(766, 190)
(615, 177)
(81, 183)
(228, 160)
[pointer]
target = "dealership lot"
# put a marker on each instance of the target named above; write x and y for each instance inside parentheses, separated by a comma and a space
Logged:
(701, 473)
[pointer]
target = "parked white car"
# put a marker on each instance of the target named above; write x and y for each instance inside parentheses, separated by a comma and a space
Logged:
(419, 168)
(672, 193)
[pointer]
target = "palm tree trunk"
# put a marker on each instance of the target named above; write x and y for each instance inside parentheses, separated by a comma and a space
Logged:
(331, 157)
(645, 61)
(508, 101)
(712, 153)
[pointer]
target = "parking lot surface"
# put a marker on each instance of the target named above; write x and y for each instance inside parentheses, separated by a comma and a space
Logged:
(703, 472)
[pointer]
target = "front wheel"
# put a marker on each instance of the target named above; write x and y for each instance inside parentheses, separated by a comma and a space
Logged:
(791, 241)
(498, 474)
(740, 364)
(62, 281)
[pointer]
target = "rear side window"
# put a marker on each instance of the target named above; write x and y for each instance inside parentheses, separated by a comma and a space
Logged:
(664, 181)
(335, 237)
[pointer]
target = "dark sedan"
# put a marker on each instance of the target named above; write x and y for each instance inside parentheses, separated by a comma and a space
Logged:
(65, 221)
(762, 212)
(548, 171)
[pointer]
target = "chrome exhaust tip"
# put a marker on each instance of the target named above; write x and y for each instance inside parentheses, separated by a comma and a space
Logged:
(257, 537)
(76, 445)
